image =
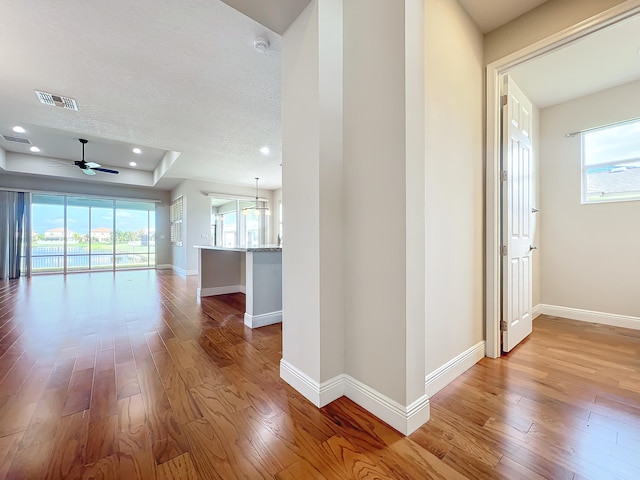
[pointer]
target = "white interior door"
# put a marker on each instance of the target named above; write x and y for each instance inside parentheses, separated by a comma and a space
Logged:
(517, 181)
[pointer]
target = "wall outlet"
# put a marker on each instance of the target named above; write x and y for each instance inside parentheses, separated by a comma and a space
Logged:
(204, 235)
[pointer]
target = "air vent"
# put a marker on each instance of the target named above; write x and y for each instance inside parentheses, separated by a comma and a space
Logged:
(57, 100)
(10, 138)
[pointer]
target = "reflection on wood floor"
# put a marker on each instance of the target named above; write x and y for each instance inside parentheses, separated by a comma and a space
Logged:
(129, 375)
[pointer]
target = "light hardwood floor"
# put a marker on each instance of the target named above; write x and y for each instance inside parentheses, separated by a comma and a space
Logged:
(131, 376)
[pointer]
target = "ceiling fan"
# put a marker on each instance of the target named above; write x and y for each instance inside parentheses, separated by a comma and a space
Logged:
(90, 168)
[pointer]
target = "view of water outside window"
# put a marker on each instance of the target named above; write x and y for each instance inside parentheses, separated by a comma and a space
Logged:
(79, 233)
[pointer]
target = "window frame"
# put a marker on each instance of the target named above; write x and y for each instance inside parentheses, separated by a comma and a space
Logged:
(626, 196)
(176, 214)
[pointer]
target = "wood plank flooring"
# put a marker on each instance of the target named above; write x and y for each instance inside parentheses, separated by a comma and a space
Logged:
(131, 376)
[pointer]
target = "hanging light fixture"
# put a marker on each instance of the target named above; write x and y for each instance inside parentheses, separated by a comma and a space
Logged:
(257, 208)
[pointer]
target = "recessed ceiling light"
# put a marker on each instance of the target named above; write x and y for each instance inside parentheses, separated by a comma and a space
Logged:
(19, 129)
(132, 164)
(137, 150)
(34, 149)
(264, 150)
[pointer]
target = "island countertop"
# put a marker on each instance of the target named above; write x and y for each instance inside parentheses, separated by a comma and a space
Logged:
(261, 248)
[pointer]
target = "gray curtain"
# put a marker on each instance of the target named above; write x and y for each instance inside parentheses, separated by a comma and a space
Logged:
(15, 228)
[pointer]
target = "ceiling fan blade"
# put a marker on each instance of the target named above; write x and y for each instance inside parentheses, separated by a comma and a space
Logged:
(92, 164)
(88, 171)
(107, 170)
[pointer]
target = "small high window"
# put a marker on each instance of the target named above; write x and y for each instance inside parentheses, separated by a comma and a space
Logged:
(611, 163)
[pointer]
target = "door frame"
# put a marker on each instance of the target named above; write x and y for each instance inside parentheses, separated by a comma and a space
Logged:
(493, 215)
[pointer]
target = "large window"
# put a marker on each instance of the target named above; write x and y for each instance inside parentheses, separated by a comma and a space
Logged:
(235, 223)
(72, 233)
(611, 163)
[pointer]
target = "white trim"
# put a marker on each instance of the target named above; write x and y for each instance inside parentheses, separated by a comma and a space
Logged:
(178, 270)
(210, 291)
(492, 211)
(318, 394)
(164, 266)
(262, 319)
(404, 419)
(612, 319)
(447, 373)
(536, 311)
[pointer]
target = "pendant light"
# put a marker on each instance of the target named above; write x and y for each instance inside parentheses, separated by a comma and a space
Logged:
(257, 208)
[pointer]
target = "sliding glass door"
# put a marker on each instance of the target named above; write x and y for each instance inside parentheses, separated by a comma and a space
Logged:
(74, 233)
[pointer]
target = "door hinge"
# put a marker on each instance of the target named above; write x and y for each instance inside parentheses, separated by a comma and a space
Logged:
(503, 175)
(503, 325)
(503, 250)
(504, 100)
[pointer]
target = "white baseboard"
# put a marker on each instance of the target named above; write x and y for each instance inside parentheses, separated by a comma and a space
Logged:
(447, 373)
(536, 311)
(209, 291)
(164, 266)
(262, 319)
(182, 271)
(404, 419)
(611, 319)
(319, 395)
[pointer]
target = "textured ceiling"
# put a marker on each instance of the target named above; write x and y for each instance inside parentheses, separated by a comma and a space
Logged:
(161, 75)
(182, 81)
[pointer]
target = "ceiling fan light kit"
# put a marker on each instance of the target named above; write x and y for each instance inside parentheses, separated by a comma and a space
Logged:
(90, 168)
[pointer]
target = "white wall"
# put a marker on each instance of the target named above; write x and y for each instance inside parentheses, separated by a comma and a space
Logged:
(45, 184)
(197, 218)
(454, 183)
(374, 150)
(590, 258)
(313, 314)
(384, 196)
(547, 19)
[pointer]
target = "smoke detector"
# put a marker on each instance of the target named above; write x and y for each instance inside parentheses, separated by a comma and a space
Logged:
(261, 44)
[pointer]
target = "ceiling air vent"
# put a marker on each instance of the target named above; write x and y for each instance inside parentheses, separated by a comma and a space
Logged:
(10, 138)
(57, 100)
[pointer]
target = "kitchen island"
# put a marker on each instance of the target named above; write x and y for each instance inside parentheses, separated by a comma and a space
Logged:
(254, 271)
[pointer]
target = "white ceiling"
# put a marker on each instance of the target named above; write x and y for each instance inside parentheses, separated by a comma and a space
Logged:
(182, 81)
(491, 14)
(602, 60)
(162, 75)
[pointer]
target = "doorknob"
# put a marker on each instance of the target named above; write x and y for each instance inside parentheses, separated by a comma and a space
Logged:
(531, 247)
(534, 210)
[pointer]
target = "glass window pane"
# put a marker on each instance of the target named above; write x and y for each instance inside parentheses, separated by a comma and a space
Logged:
(611, 144)
(132, 233)
(47, 233)
(77, 234)
(102, 262)
(611, 163)
(90, 239)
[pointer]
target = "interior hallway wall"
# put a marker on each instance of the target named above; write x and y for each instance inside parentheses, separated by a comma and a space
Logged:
(454, 183)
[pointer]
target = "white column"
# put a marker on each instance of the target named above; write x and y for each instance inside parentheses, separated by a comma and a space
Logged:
(353, 180)
(313, 293)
